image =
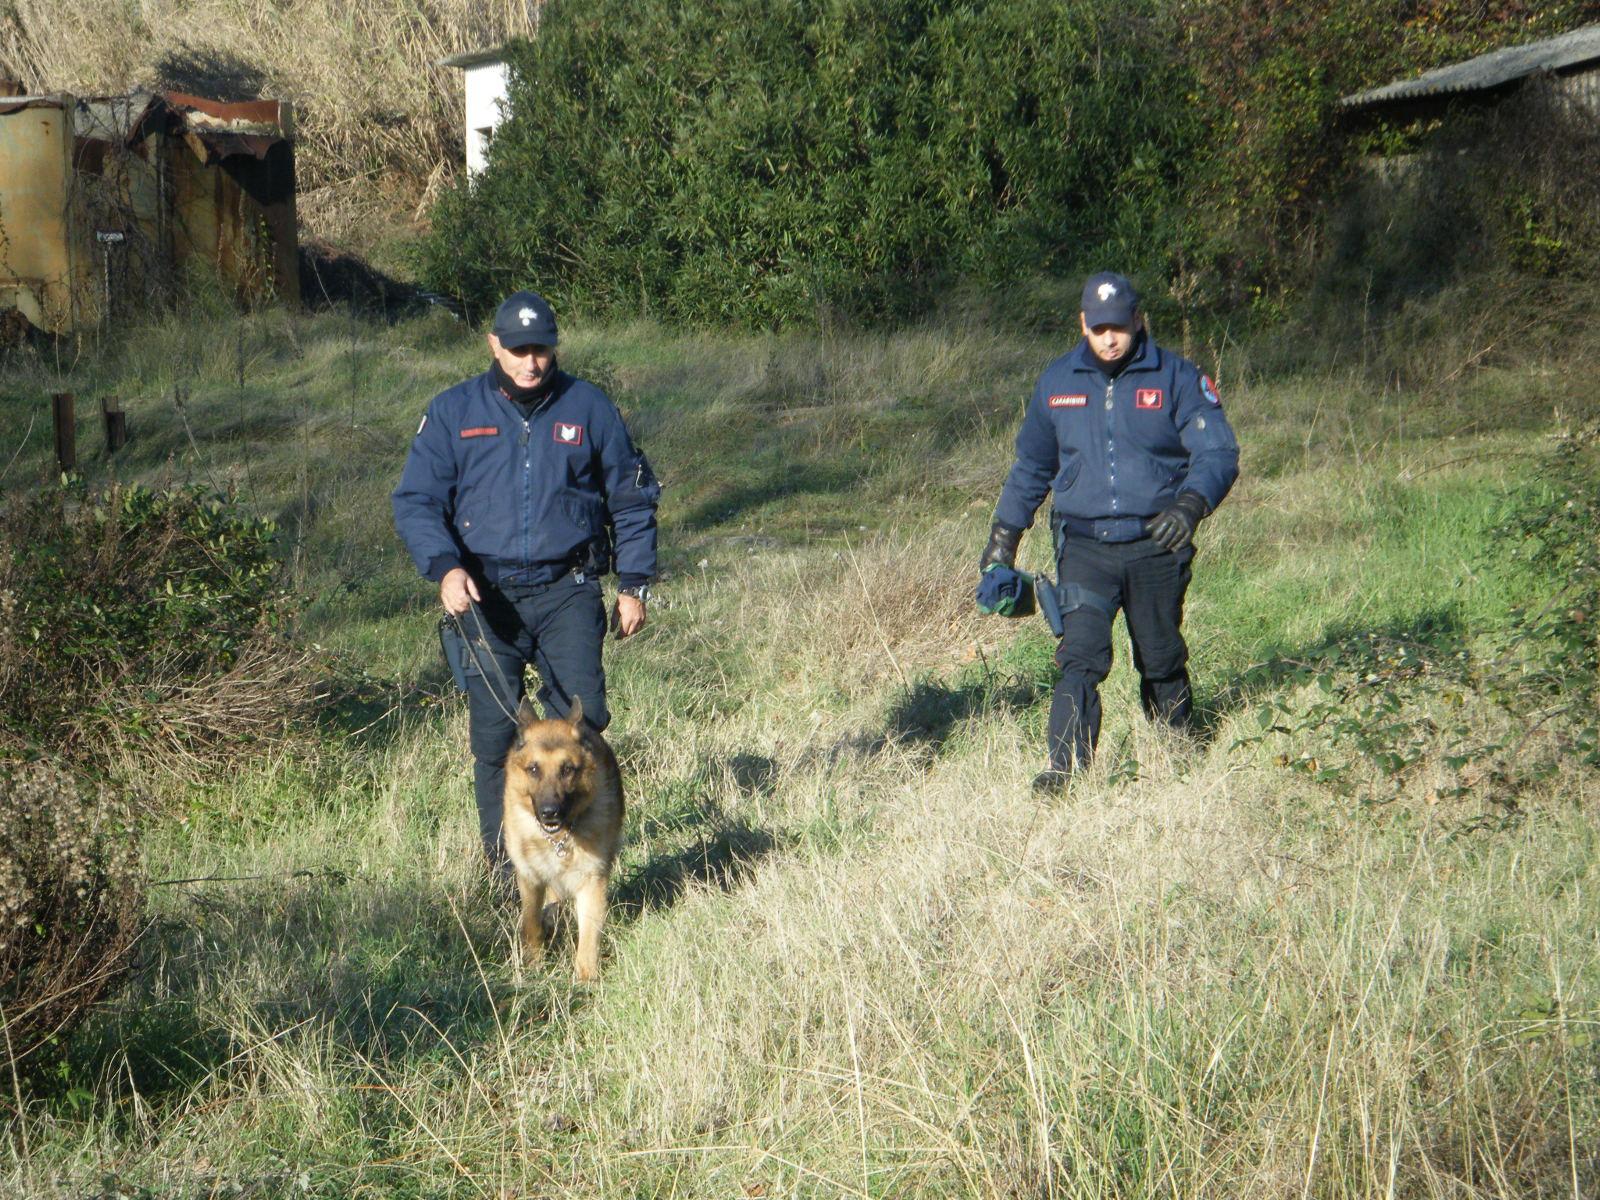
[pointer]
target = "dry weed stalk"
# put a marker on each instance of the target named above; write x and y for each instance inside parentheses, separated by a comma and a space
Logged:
(70, 884)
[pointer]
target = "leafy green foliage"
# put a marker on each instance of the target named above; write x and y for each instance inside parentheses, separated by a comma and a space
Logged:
(1382, 707)
(1554, 649)
(137, 618)
(785, 162)
(1277, 148)
(727, 161)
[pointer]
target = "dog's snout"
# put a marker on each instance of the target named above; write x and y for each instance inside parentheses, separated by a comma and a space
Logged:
(549, 809)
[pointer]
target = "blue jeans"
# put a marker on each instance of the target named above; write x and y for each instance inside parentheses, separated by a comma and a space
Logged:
(559, 629)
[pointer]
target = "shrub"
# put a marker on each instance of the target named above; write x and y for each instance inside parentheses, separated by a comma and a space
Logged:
(787, 161)
(1275, 151)
(782, 162)
(143, 625)
(70, 907)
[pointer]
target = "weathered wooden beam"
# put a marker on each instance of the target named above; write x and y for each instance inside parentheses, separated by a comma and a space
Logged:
(61, 405)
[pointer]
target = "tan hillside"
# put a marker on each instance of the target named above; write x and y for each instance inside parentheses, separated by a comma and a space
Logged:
(379, 121)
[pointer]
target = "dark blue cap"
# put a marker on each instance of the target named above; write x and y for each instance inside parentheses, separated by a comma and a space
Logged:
(1109, 299)
(524, 319)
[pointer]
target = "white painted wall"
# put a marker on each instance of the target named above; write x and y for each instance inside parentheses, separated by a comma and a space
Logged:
(486, 94)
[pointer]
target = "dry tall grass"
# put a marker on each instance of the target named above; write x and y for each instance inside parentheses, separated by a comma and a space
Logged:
(379, 122)
(852, 954)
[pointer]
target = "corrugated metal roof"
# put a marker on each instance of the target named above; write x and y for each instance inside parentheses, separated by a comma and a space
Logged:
(475, 58)
(1492, 70)
(17, 103)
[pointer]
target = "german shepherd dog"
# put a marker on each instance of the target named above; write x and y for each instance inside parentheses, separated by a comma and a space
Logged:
(563, 826)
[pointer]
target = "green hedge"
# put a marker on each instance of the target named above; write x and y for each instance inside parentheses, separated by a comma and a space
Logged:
(758, 162)
(753, 162)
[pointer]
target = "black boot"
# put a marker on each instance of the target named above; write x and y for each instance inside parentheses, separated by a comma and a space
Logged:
(1051, 782)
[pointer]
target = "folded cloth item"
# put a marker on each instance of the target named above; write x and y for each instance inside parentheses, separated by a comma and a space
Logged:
(1006, 592)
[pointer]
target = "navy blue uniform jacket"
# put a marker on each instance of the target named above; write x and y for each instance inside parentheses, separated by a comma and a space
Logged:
(527, 498)
(1118, 452)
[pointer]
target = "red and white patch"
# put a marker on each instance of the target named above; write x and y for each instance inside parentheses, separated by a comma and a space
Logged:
(1147, 398)
(1209, 390)
(481, 431)
(568, 435)
(1069, 401)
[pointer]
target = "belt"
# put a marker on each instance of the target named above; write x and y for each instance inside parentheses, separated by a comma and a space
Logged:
(497, 572)
(1108, 529)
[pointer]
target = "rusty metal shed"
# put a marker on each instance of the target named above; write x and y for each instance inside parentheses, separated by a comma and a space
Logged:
(108, 203)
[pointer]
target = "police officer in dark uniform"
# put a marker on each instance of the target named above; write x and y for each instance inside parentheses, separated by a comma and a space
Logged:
(1133, 440)
(522, 489)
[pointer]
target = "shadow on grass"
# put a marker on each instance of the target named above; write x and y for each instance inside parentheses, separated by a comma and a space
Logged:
(785, 482)
(713, 847)
(721, 857)
(360, 976)
(929, 712)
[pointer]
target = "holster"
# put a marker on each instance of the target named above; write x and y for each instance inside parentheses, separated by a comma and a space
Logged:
(454, 646)
(1049, 602)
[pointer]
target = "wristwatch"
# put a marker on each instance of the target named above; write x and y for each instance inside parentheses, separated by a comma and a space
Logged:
(639, 591)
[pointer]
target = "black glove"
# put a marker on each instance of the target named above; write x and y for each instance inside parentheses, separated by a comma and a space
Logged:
(1002, 547)
(1173, 528)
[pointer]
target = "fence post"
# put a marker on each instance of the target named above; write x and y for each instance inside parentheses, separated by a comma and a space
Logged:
(66, 430)
(116, 423)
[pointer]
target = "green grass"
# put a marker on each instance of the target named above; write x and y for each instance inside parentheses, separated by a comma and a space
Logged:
(851, 955)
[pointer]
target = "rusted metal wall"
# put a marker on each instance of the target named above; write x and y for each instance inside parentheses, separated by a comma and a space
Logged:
(106, 203)
(41, 267)
(233, 194)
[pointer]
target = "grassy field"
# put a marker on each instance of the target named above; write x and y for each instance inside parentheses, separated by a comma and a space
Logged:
(853, 955)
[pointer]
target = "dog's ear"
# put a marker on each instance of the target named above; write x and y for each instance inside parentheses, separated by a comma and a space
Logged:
(525, 717)
(575, 715)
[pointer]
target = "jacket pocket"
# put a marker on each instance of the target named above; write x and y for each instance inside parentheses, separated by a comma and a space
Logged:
(585, 511)
(1068, 475)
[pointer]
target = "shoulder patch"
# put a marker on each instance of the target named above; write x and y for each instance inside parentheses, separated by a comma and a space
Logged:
(1209, 390)
(423, 424)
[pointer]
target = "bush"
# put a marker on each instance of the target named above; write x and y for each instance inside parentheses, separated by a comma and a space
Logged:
(143, 625)
(70, 907)
(1275, 150)
(784, 162)
(1420, 256)
(740, 162)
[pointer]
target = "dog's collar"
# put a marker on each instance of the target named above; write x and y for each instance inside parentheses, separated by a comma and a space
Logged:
(561, 845)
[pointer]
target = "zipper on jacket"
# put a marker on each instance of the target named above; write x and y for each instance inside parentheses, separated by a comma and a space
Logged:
(527, 490)
(1111, 445)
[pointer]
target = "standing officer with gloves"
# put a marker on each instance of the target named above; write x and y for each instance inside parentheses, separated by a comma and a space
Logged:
(521, 489)
(1133, 441)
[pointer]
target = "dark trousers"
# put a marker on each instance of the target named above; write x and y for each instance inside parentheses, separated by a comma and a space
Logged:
(1147, 583)
(557, 627)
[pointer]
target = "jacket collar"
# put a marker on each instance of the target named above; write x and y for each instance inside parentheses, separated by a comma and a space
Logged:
(558, 388)
(1146, 357)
